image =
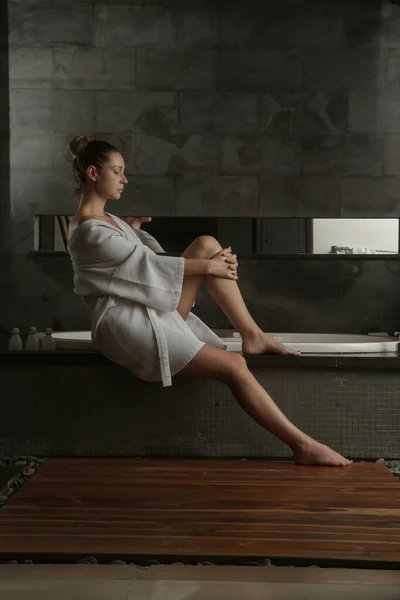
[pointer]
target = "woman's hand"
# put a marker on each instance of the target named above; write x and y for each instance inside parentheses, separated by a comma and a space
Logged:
(224, 264)
(136, 222)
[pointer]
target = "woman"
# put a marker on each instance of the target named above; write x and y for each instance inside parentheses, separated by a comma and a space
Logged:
(140, 302)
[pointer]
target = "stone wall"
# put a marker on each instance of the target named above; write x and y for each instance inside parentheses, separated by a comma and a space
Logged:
(5, 205)
(65, 410)
(286, 108)
(289, 294)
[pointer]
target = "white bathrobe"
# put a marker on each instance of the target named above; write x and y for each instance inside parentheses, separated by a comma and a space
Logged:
(132, 294)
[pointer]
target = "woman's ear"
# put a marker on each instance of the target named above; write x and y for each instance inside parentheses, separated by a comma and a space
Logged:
(91, 172)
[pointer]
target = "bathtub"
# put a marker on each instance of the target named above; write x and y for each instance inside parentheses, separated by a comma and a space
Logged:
(307, 343)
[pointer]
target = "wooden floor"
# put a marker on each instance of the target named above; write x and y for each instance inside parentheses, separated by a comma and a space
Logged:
(157, 508)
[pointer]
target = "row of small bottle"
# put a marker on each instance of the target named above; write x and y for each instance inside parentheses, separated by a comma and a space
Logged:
(32, 343)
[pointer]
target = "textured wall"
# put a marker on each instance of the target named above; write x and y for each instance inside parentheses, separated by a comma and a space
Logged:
(4, 127)
(297, 294)
(5, 205)
(232, 109)
(356, 412)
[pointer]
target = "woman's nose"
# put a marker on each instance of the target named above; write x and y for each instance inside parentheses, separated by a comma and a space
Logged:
(125, 180)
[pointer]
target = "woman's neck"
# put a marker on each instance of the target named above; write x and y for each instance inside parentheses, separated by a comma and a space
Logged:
(91, 205)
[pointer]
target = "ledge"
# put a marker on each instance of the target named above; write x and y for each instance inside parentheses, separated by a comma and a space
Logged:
(306, 361)
(333, 361)
(253, 256)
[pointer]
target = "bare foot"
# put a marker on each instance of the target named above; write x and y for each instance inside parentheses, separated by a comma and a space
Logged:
(261, 343)
(319, 454)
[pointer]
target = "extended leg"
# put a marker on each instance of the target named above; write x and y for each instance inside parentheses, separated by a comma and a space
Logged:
(231, 369)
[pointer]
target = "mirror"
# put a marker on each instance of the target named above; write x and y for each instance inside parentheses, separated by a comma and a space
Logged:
(251, 236)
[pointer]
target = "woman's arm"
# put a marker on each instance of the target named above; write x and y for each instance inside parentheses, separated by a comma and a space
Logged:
(216, 265)
(107, 263)
(197, 266)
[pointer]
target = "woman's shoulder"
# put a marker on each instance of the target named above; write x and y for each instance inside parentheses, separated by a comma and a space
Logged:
(91, 221)
(78, 219)
(92, 232)
(81, 220)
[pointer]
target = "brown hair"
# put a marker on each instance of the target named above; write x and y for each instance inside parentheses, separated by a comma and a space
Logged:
(86, 153)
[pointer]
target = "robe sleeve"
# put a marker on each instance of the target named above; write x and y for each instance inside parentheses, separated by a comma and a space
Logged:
(149, 240)
(107, 263)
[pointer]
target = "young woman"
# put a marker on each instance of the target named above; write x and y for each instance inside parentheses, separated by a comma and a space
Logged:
(140, 302)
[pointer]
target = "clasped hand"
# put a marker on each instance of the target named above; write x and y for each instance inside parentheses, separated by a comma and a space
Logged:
(224, 264)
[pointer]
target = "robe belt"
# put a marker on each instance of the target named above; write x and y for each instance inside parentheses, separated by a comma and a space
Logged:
(162, 346)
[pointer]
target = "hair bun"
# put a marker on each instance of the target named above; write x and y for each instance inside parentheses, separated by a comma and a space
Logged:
(78, 144)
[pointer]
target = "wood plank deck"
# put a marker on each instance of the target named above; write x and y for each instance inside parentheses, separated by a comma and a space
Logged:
(151, 508)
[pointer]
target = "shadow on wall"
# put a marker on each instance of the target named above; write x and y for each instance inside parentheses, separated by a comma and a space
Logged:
(4, 129)
(5, 205)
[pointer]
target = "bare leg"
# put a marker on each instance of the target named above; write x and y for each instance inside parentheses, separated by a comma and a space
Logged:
(191, 283)
(227, 295)
(231, 369)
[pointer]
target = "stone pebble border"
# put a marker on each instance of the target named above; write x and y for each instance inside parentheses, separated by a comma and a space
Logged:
(31, 463)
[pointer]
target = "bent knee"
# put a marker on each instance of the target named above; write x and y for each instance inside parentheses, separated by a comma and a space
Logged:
(207, 245)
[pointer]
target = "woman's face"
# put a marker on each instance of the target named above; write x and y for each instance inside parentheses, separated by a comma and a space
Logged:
(110, 179)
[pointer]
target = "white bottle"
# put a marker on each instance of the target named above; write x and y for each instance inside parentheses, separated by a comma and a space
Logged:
(48, 344)
(15, 342)
(32, 342)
